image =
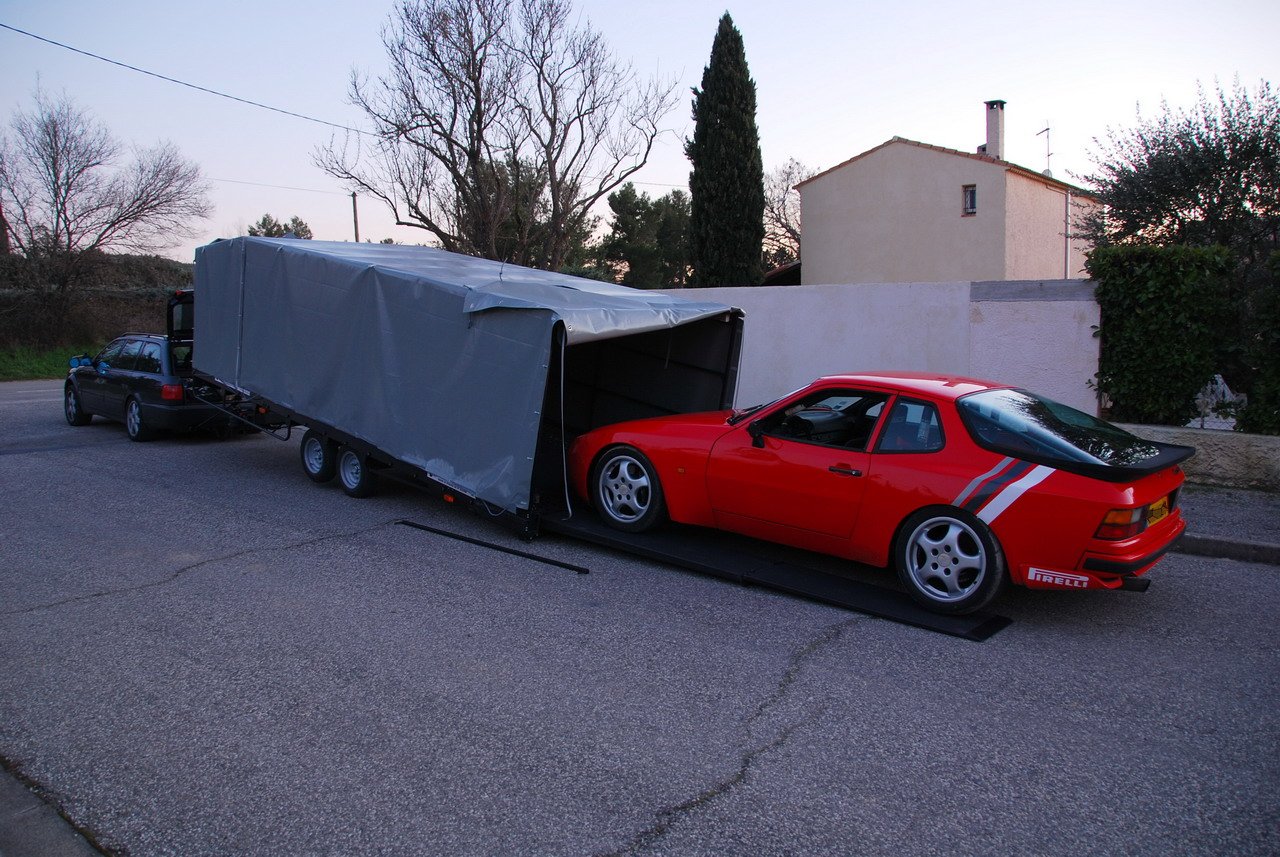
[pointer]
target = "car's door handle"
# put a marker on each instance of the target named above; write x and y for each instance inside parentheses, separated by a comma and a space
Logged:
(844, 470)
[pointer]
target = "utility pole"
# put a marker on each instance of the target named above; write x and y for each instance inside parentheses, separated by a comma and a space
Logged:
(355, 216)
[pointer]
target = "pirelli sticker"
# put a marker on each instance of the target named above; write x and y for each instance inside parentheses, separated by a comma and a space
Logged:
(1058, 578)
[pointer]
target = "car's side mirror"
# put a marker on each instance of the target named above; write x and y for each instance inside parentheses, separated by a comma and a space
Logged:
(103, 367)
(757, 434)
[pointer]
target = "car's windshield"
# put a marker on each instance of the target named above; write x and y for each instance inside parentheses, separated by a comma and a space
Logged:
(740, 414)
(1020, 423)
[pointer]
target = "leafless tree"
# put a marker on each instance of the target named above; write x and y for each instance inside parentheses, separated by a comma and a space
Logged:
(64, 191)
(782, 211)
(498, 126)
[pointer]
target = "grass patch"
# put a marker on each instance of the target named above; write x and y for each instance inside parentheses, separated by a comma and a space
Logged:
(31, 364)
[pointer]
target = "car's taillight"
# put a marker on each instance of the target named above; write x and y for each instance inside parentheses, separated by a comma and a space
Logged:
(171, 392)
(1122, 524)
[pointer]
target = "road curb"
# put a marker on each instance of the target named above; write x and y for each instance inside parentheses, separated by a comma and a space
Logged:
(30, 826)
(1229, 549)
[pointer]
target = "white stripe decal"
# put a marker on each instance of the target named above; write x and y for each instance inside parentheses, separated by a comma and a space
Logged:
(964, 495)
(1010, 495)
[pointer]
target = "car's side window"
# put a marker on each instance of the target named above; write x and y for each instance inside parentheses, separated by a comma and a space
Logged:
(149, 358)
(840, 418)
(111, 354)
(912, 427)
(127, 359)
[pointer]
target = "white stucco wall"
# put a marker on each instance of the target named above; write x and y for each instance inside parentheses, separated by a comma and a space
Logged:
(1037, 335)
(1040, 242)
(895, 215)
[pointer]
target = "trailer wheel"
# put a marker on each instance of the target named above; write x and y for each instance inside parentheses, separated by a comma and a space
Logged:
(354, 474)
(319, 456)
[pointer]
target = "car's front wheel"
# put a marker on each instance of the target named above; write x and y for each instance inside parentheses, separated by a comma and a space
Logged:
(319, 456)
(134, 424)
(75, 412)
(949, 561)
(626, 490)
(354, 474)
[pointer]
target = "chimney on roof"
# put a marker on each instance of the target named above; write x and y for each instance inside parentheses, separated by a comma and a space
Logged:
(995, 130)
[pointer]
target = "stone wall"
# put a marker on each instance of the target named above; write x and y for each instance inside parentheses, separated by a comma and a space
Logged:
(1227, 458)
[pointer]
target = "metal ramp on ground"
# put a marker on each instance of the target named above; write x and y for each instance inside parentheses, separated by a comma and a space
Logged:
(739, 559)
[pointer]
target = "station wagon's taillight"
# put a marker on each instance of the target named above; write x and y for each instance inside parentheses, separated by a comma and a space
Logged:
(1122, 523)
(171, 392)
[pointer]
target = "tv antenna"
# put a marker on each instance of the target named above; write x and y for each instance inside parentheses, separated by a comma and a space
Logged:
(1047, 151)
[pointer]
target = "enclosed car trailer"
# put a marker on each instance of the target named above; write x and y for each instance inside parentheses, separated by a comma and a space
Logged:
(461, 375)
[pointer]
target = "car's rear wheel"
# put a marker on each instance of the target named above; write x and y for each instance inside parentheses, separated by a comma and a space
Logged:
(626, 490)
(357, 479)
(949, 561)
(75, 412)
(134, 423)
(319, 456)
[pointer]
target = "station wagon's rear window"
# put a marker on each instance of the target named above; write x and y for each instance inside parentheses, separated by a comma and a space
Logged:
(1022, 424)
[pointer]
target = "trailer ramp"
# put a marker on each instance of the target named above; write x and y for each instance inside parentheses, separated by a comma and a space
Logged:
(741, 560)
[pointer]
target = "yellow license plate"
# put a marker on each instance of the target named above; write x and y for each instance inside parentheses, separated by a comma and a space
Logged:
(1158, 510)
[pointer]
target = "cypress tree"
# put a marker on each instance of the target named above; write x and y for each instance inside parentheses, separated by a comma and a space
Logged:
(726, 228)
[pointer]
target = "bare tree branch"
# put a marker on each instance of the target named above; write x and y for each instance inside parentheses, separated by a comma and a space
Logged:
(499, 126)
(782, 211)
(65, 195)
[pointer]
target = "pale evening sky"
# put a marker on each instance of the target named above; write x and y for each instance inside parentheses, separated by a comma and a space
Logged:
(833, 79)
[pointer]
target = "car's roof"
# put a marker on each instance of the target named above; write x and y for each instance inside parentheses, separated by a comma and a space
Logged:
(919, 383)
(141, 336)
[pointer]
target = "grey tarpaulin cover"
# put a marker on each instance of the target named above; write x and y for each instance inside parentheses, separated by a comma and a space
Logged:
(437, 359)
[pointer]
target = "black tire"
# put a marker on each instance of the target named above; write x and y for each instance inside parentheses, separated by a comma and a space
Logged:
(625, 490)
(319, 456)
(949, 561)
(135, 424)
(355, 475)
(71, 408)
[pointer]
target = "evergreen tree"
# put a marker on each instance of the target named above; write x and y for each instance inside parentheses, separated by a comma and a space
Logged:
(647, 244)
(269, 227)
(727, 183)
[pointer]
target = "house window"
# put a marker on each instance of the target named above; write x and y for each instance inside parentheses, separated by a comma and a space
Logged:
(970, 199)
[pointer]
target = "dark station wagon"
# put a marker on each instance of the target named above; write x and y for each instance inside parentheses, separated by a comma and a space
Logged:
(142, 380)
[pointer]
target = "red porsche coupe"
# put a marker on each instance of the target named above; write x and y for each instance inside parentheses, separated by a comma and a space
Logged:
(961, 485)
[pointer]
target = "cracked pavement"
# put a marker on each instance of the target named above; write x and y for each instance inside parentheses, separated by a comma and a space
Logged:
(204, 653)
(666, 817)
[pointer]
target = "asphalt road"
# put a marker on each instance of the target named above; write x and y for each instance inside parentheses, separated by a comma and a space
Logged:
(203, 653)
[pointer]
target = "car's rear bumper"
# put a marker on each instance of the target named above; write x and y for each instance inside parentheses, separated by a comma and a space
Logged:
(1116, 568)
(183, 417)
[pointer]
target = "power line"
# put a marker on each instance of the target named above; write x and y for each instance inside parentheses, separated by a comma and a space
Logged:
(282, 187)
(184, 83)
(236, 98)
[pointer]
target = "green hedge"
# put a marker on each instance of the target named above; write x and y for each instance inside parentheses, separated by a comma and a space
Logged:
(112, 294)
(1262, 350)
(1162, 310)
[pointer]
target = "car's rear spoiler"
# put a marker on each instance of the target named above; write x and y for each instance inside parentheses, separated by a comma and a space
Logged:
(1167, 455)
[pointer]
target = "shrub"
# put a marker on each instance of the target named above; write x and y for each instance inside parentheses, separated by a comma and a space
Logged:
(1161, 309)
(113, 293)
(1262, 414)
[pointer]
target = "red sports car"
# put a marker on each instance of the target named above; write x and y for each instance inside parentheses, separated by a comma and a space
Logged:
(962, 485)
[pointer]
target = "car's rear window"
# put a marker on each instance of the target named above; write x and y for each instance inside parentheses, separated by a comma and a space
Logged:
(1023, 424)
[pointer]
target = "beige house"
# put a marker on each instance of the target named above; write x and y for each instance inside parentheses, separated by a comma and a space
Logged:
(908, 212)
